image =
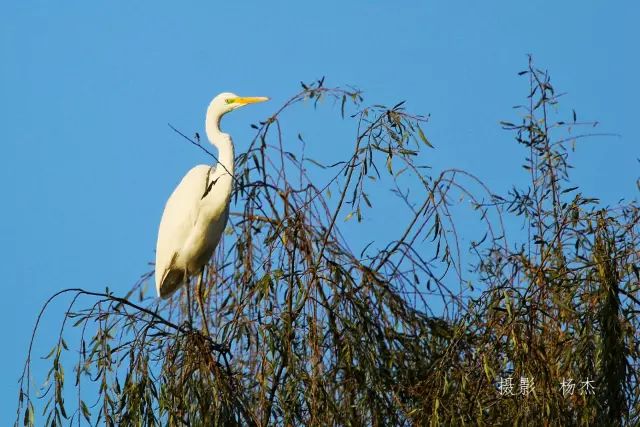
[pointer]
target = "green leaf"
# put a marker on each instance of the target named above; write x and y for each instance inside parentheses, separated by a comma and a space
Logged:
(423, 137)
(85, 411)
(29, 415)
(366, 199)
(487, 369)
(51, 352)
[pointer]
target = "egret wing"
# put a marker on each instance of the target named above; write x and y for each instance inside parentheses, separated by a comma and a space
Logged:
(179, 216)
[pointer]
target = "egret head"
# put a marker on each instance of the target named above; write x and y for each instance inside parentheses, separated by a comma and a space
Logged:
(226, 102)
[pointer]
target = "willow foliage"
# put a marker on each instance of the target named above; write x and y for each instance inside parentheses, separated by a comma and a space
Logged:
(305, 331)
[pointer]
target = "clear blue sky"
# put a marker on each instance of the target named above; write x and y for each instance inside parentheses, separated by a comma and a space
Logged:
(87, 89)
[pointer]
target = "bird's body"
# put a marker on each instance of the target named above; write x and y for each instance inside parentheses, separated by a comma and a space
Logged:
(196, 213)
(189, 230)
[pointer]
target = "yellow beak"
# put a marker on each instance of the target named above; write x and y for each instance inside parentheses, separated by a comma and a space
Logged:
(244, 100)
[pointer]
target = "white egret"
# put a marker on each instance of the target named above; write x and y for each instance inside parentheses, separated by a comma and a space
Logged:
(196, 214)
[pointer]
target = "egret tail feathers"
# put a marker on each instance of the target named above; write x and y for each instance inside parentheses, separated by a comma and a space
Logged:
(171, 282)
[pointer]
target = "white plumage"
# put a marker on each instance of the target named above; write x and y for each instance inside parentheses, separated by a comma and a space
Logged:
(196, 213)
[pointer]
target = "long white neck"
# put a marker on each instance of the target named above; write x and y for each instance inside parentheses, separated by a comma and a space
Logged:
(223, 143)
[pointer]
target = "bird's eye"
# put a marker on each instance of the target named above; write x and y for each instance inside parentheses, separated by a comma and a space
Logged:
(229, 101)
